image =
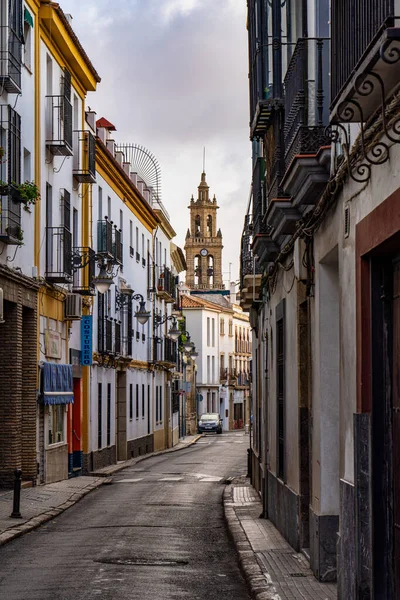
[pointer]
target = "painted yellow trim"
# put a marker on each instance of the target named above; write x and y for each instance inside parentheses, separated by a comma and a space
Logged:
(124, 190)
(62, 40)
(62, 62)
(165, 225)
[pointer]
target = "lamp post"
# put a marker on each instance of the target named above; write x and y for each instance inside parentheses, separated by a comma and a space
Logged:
(125, 297)
(174, 331)
(103, 281)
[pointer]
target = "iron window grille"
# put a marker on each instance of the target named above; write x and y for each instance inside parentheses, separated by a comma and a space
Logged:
(83, 277)
(117, 245)
(104, 327)
(59, 125)
(84, 165)
(58, 255)
(10, 174)
(104, 237)
(353, 28)
(11, 40)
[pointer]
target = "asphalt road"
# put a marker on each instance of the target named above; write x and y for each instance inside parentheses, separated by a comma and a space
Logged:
(156, 533)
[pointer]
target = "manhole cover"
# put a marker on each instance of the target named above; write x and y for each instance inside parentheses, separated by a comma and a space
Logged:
(144, 562)
(298, 574)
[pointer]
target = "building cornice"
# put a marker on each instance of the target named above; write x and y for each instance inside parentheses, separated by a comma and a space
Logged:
(60, 34)
(165, 225)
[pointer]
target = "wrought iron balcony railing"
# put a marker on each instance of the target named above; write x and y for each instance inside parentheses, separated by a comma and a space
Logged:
(118, 339)
(59, 125)
(11, 40)
(58, 255)
(83, 277)
(353, 28)
(105, 237)
(105, 335)
(117, 245)
(306, 98)
(84, 166)
(170, 353)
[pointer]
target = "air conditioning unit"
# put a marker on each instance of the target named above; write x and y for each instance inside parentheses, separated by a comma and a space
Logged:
(73, 307)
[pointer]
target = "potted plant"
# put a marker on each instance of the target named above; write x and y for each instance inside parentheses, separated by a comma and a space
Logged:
(2, 152)
(28, 193)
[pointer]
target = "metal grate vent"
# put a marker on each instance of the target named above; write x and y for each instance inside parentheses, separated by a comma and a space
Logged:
(346, 221)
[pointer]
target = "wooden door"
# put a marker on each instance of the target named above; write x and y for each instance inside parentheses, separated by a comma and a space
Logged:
(396, 423)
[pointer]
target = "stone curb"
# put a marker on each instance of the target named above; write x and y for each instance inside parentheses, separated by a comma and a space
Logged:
(109, 471)
(103, 478)
(257, 582)
(51, 513)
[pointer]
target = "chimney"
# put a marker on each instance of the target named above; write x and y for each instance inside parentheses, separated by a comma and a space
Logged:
(90, 117)
(119, 156)
(134, 178)
(147, 195)
(102, 134)
(232, 292)
(126, 166)
(111, 146)
(140, 186)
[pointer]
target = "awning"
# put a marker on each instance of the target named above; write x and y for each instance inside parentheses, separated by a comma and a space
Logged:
(28, 17)
(57, 384)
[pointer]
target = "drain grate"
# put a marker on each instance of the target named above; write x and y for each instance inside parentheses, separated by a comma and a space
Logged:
(144, 562)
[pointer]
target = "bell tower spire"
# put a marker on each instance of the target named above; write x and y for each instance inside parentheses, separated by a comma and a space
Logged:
(203, 245)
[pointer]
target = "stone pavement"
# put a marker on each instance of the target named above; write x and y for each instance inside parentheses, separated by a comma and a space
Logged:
(45, 502)
(273, 570)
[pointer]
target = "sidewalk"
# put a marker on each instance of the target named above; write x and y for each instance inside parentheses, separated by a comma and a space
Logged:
(45, 502)
(273, 570)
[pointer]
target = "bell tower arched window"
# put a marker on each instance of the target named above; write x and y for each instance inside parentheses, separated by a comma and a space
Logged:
(210, 271)
(209, 225)
(197, 269)
(197, 225)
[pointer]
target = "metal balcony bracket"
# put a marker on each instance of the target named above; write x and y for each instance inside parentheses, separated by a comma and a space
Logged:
(368, 100)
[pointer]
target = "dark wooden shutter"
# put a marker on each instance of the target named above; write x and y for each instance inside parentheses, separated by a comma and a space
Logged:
(396, 422)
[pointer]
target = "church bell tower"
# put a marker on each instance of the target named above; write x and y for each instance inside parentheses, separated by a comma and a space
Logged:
(203, 244)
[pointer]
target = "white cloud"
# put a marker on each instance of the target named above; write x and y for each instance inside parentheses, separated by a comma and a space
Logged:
(174, 79)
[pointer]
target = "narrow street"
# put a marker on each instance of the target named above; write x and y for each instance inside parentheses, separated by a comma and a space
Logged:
(157, 532)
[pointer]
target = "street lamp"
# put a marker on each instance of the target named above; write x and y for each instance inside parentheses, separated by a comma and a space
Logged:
(174, 332)
(126, 296)
(188, 345)
(103, 281)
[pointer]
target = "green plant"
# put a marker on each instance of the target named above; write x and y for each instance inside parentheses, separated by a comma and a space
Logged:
(20, 235)
(29, 194)
(2, 152)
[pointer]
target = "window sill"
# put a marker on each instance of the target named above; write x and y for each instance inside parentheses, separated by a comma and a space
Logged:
(28, 68)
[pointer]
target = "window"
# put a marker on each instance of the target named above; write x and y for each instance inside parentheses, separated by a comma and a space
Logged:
(222, 327)
(100, 215)
(161, 406)
(49, 75)
(208, 331)
(143, 255)
(143, 401)
(56, 423)
(99, 415)
(137, 400)
(27, 41)
(230, 327)
(208, 369)
(108, 414)
(121, 224)
(280, 387)
(213, 369)
(130, 401)
(213, 332)
(156, 403)
(137, 244)
(109, 208)
(27, 165)
(148, 409)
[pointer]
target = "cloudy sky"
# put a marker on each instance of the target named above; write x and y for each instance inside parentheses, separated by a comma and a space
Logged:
(174, 79)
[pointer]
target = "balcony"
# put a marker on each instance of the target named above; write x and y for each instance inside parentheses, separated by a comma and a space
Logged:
(59, 125)
(118, 339)
(11, 48)
(306, 146)
(166, 286)
(58, 255)
(105, 238)
(223, 375)
(84, 166)
(83, 277)
(117, 245)
(366, 53)
(250, 268)
(105, 334)
(164, 352)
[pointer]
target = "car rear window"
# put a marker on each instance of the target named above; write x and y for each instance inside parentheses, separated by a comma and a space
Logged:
(209, 417)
